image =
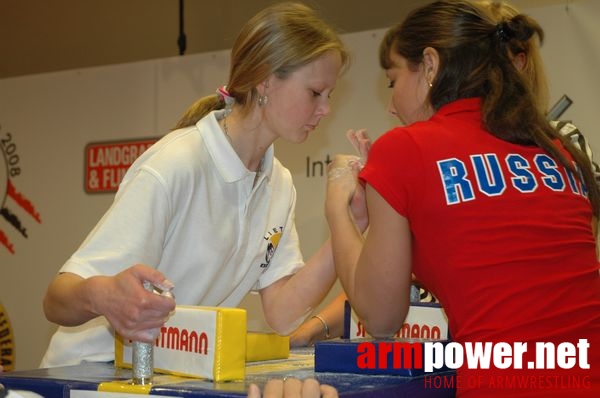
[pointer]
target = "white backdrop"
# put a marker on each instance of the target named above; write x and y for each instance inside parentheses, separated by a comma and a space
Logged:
(47, 120)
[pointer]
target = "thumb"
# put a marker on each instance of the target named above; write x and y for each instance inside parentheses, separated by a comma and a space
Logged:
(363, 144)
(360, 141)
(153, 276)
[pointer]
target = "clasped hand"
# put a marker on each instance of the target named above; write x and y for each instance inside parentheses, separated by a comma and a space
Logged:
(342, 179)
(134, 312)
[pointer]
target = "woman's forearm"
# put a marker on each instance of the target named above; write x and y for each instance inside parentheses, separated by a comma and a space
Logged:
(347, 243)
(67, 300)
(288, 302)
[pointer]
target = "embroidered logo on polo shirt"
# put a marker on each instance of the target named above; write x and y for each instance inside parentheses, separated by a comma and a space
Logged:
(272, 237)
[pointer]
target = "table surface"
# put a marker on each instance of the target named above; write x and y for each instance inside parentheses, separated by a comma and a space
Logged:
(57, 382)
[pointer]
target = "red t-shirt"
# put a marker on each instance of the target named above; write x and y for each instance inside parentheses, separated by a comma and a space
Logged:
(501, 235)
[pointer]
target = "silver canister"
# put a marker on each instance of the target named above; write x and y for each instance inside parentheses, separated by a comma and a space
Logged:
(142, 360)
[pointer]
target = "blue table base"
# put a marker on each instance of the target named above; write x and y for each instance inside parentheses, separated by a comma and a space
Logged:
(61, 382)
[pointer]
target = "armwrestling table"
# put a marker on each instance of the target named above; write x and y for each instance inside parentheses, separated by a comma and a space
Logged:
(83, 381)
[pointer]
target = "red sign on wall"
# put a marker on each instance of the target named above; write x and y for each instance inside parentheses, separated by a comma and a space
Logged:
(107, 162)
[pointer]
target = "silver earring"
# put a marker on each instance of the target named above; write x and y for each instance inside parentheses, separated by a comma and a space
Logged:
(430, 84)
(263, 100)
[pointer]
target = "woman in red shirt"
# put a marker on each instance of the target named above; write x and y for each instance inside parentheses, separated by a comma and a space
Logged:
(483, 201)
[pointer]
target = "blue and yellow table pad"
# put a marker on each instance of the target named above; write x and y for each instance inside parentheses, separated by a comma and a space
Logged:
(68, 381)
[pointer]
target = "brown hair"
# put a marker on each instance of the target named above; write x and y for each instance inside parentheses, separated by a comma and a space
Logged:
(278, 40)
(534, 72)
(474, 61)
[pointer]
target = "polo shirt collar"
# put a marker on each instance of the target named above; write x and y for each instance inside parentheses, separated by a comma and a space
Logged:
(226, 160)
(472, 104)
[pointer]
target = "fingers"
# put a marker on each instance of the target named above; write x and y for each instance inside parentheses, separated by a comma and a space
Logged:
(253, 391)
(155, 282)
(273, 389)
(354, 137)
(293, 388)
(165, 287)
(343, 165)
(364, 144)
(135, 307)
(360, 141)
(328, 391)
(148, 335)
(156, 278)
(310, 388)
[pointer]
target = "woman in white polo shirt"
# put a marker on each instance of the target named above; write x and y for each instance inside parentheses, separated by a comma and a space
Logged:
(208, 210)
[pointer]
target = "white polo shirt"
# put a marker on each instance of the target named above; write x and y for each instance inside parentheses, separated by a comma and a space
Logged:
(187, 207)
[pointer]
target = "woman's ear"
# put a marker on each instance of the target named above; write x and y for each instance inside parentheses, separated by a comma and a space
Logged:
(261, 88)
(520, 61)
(265, 84)
(431, 62)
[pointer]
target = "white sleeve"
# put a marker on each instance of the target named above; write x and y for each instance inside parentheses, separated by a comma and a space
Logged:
(132, 231)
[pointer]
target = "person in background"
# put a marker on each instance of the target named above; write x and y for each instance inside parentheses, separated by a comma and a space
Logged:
(207, 213)
(481, 198)
(526, 57)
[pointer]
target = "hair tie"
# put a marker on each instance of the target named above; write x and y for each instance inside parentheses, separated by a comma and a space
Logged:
(226, 97)
(503, 32)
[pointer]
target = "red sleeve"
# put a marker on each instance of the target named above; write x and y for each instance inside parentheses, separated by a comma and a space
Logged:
(393, 168)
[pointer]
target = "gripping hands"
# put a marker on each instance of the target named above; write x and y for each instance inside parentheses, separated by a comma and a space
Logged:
(342, 179)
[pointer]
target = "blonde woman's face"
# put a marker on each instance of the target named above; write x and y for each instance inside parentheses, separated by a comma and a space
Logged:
(298, 102)
(410, 89)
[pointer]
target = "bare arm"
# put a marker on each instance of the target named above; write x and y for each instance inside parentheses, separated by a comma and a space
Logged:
(376, 273)
(287, 302)
(133, 311)
(290, 300)
(313, 329)
(383, 272)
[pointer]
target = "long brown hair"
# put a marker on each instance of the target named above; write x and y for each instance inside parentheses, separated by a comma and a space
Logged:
(278, 40)
(474, 61)
(533, 69)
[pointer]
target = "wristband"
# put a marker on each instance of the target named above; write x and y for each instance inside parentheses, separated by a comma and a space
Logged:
(325, 327)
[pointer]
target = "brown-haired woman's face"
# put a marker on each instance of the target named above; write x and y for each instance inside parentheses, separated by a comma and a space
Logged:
(409, 101)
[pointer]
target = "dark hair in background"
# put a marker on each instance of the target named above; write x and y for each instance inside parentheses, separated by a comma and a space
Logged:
(474, 62)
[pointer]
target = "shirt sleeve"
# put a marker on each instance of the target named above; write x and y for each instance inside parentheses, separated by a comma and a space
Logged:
(132, 231)
(392, 169)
